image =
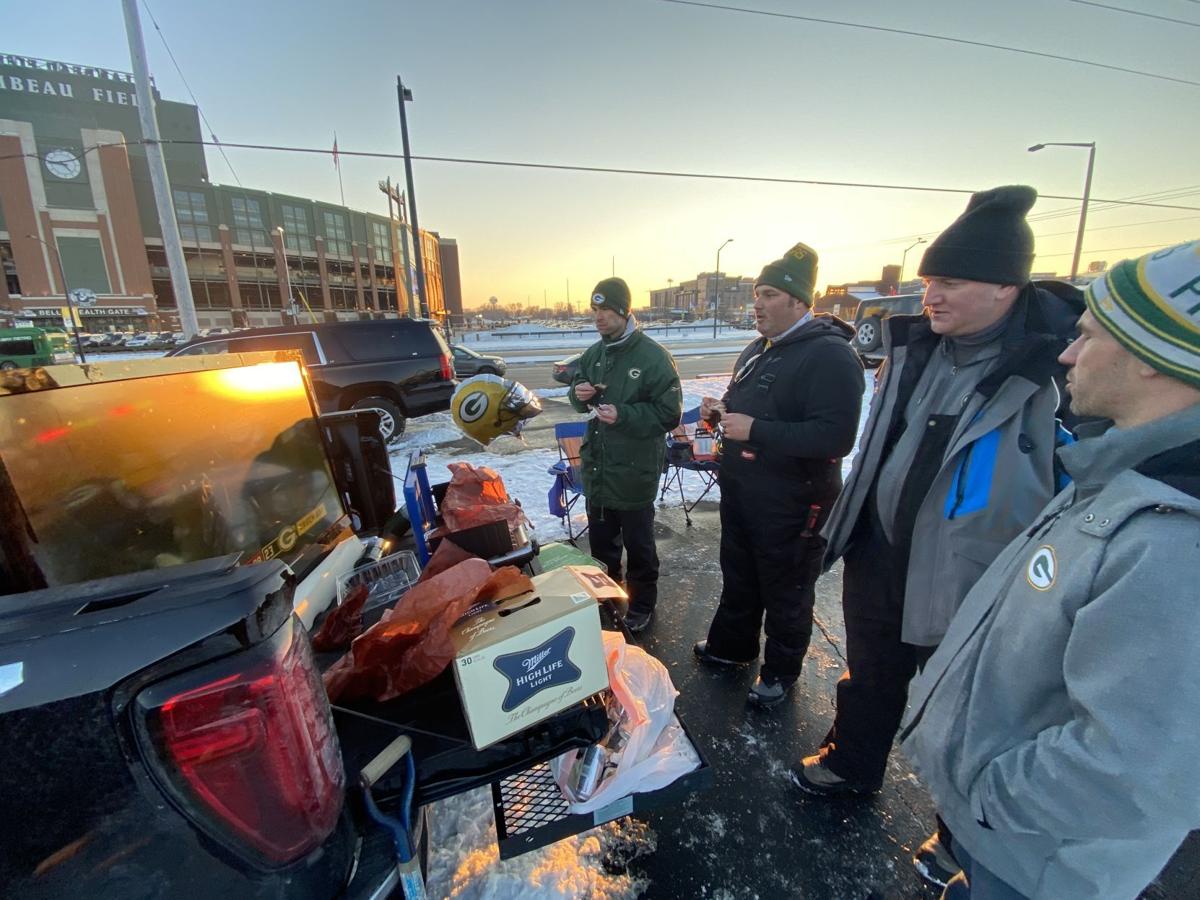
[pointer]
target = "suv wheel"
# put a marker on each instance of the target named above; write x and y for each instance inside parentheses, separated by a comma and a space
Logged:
(868, 336)
(486, 370)
(391, 419)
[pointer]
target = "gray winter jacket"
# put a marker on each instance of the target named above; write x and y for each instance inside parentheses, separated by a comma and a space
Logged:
(996, 472)
(1057, 724)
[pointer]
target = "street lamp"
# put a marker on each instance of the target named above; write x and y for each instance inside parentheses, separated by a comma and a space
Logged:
(66, 293)
(904, 258)
(717, 287)
(1087, 192)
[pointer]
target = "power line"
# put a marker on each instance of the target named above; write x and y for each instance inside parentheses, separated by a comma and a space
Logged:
(615, 170)
(935, 37)
(1108, 250)
(1136, 12)
(1122, 225)
(665, 173)
(212, 131)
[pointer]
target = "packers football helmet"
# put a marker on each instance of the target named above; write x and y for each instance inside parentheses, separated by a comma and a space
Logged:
(487, 406)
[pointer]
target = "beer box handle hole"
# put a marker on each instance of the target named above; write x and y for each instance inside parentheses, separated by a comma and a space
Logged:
(516, 609)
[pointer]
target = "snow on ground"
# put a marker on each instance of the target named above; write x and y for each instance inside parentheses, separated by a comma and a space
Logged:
(465, 862)
(548, 338)
(526, 470)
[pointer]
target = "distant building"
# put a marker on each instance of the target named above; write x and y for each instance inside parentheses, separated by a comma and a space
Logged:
(68, 179)
(695, 298)
(451, 279)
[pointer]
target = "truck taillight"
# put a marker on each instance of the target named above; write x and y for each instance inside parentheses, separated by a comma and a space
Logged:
(447, 368)
(249, 747)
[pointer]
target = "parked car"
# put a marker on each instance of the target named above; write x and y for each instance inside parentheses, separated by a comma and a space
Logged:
(565, 369)
(868, 323)
(140, 341)
(468, 363)
(114, 340)
(399, 366)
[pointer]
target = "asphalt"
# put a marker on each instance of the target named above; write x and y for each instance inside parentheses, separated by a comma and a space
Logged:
(754, 834)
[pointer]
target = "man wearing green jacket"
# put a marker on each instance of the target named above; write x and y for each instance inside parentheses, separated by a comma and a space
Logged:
(632, 385)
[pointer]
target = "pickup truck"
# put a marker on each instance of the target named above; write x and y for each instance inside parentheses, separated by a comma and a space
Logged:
(173, 529)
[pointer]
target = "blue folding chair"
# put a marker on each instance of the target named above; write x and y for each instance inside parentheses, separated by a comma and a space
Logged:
(681, 457)
(418, 500)
(568, 475)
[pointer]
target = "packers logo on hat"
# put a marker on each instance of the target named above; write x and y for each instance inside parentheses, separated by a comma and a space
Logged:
(598, 299)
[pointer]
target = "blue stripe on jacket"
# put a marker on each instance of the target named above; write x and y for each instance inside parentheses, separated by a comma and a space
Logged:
(972, 485)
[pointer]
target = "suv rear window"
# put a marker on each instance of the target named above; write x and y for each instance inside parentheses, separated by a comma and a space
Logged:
(388, 340)
(298, 340)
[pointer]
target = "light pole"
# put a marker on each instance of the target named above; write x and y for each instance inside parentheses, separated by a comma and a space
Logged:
(717, 287)
(904, 258)
(66, 292)
(404, 95)
(1087, 192)
(292, 308)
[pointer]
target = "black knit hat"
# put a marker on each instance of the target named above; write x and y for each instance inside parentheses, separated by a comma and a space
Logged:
(612, 293)
(990, 242)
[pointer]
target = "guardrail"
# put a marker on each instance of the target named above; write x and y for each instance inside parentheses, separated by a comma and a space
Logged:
(585, 334)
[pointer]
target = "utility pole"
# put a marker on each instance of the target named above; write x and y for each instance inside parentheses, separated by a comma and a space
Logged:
(158, 173)
(403, 95)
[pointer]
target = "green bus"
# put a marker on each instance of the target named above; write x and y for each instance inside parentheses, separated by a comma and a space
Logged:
(26, 348)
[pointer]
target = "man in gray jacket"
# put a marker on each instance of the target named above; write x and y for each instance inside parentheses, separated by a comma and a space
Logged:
(956, 457)
(1057, 724)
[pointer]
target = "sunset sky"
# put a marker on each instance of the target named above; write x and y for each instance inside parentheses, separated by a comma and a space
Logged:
(647, 84)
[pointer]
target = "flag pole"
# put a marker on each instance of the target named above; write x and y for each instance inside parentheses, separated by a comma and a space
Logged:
(337, 164)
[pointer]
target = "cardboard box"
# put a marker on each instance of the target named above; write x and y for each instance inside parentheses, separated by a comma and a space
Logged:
(523, 659)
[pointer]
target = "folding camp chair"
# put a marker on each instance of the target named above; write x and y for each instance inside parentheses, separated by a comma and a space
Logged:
(690, 448)
(568, 476)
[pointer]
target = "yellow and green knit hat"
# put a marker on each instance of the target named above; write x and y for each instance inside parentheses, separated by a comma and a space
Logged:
(1151, 305)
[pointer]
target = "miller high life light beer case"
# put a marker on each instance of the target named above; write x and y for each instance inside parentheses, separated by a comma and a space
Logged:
(523, 659)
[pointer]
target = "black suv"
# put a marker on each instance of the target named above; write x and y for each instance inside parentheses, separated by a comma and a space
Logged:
(868, 323)
(401, 367)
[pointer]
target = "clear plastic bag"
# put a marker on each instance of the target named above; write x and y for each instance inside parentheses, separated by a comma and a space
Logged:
(645, 750)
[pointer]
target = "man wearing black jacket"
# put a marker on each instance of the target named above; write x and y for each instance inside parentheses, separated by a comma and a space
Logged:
(788, 416)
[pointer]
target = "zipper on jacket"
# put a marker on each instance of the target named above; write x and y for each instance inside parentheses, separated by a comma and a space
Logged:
(960, 488)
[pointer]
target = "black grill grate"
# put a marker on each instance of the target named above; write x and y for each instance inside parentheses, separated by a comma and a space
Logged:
(531, 799)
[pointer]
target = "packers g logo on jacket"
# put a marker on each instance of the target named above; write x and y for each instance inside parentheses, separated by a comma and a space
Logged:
(487, 406)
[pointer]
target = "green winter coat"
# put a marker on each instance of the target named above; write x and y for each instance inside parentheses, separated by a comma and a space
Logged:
(623, 462)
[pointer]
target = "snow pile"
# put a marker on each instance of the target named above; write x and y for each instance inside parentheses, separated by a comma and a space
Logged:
(465, 862)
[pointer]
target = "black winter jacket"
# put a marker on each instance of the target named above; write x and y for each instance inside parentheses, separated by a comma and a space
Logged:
(805, 394)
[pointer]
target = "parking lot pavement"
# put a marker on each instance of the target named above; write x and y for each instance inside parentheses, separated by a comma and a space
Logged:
(754, 834)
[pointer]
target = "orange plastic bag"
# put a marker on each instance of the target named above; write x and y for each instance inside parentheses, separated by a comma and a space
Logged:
(411, 644)
(476, 496)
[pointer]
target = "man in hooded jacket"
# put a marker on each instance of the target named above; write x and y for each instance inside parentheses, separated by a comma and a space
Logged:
(788, 417)
(632, 384)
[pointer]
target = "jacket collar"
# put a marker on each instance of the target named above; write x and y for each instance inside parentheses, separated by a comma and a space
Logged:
(1096, 461)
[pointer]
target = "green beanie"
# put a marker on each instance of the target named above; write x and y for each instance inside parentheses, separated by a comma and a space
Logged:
(1151, 305)
(612, 293)
(795, 273)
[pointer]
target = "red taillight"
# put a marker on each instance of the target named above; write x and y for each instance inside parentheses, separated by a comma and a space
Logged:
(255, 750)
(447, 369)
